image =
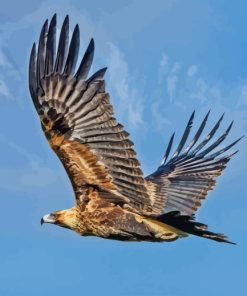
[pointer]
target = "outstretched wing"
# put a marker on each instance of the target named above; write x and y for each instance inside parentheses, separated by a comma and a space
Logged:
(77, 119)
(183, 182)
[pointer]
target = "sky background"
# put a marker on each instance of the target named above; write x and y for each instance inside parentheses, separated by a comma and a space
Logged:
(165, 58)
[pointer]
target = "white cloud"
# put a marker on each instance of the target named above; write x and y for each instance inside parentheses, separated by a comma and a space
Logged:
(192, 70)
(35, 172)
(128, 101)
(164, 61)
(38, 175)
(163, 68)
(9, 75)
(200, 93)
(158, 114)
(4, 90)
(3, 60)
(136, 109)
(172, 79)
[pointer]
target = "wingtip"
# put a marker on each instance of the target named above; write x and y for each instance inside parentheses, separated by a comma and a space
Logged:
(229, 242)
(66, 20)
(192, 115)
(54, 17)
(76, 32)
(33, 52)
(77, 28)
(208, 113)
(235, 152)
(229, 127)
(91, 45)
(44, 28)
(231, 124)
(101, 72)
(53, 23)
(168, 149)
(33, 47)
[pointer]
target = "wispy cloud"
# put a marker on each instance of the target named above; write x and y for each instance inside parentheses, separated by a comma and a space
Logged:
(3, 60)
(163, 68)
(128, 100)
(169, 72)
(200, 92)
(9, 77)
(192, 70)
(159, 116)
(172, 79)
(4, 90)
(34, 173)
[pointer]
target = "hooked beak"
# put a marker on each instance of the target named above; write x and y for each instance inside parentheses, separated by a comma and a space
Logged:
(50, 218)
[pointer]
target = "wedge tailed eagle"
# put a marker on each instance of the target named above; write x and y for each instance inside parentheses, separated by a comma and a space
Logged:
(113, 199)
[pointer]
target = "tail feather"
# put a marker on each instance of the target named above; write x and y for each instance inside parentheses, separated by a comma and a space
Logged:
(189, 225)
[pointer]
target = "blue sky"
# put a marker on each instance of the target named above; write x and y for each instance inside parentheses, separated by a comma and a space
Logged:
(165, 59)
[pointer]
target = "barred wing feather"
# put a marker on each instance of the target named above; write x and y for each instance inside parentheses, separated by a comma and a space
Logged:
(183, 182)
(77, 118)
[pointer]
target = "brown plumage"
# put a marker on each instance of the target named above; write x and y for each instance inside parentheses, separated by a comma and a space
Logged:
(113, 199)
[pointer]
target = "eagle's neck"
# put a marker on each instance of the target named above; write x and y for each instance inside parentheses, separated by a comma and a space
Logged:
(69, 218)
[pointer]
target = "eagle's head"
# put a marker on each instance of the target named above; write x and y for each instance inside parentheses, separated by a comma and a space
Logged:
(64, 218)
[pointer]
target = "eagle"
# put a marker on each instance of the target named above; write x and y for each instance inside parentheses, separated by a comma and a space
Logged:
(113, 199)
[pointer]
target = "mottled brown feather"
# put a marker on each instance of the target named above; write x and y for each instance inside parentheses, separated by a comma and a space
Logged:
(78, 120)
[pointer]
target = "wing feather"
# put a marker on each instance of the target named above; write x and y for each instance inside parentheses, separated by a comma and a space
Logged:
(184, 181)
(62, 46)
(77, 118)
(50, 46)
(86, 62)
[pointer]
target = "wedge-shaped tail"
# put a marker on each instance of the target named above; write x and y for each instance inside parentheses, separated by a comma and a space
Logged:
(189, 225)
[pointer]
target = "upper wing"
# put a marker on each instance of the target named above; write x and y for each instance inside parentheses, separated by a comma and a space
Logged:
(77, 119)
(182, 183)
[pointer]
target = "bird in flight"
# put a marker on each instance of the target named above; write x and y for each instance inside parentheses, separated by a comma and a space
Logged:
(113, 199)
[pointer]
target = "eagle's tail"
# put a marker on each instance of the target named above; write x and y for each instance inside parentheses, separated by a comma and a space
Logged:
(188, 224)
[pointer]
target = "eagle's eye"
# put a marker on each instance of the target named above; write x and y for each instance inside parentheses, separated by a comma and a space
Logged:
(53, 216)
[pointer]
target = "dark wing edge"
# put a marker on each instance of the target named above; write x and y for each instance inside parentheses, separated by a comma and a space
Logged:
(182, 182)
(75, 110)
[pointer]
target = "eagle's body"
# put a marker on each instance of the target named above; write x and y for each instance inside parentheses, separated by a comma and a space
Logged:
(107, 220)
(113, 199)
